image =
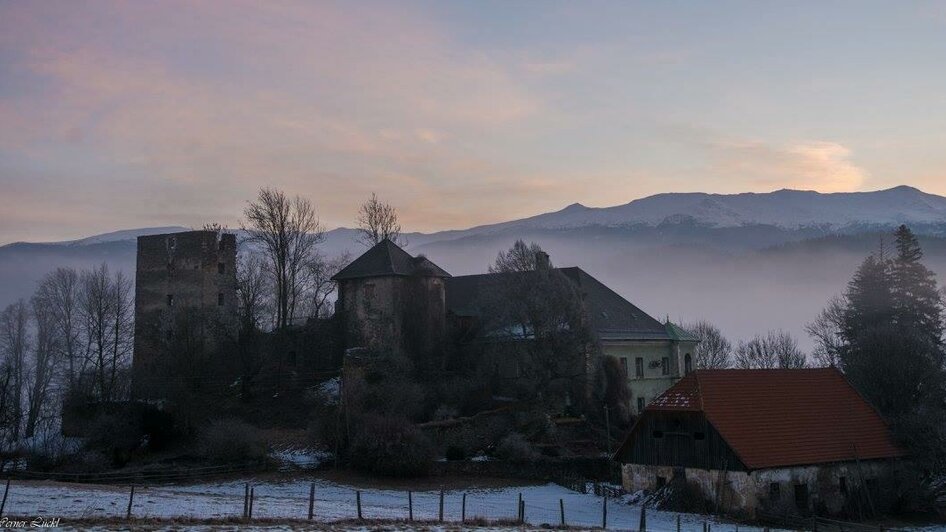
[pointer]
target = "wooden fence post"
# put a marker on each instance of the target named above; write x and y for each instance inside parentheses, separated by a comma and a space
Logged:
(410, 506)
(358, 502)
(522, 512)
(678, 522)
(246, 500)
(311, 500)
(440, 514)
(643, 524)
(131, 499)
(561, 510)
(3, 503)
(519, 507)
(604, 512)
(463, 510)
(252, 493)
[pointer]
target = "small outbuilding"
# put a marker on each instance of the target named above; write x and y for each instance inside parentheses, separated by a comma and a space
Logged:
(767, 441)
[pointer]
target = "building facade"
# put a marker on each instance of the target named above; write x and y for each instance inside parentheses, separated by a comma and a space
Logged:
(193, 271)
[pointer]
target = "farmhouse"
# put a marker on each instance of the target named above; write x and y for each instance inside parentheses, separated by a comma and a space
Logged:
(390, 299)
(764, 441)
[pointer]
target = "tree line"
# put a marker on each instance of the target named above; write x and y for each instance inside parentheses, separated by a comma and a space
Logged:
(283, 276)
(72, 338)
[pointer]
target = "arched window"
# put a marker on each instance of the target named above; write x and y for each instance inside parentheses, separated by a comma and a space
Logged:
(687, 363)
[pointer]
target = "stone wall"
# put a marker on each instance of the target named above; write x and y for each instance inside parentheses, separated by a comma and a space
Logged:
(189, 270)
(740, 492)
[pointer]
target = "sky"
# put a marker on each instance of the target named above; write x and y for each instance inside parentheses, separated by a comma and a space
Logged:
(118, 115)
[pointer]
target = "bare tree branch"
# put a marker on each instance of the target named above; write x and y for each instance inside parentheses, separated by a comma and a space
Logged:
(378, 221)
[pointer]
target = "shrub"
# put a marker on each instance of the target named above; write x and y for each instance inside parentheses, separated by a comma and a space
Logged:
(515, 447)
(117, 435)
(231, 441)
(455, 452)
(445, 412)
(390, 447)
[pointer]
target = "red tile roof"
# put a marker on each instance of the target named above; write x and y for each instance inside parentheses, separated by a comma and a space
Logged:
(783, 417)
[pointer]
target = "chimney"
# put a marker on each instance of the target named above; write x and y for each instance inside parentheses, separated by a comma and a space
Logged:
(542, 263)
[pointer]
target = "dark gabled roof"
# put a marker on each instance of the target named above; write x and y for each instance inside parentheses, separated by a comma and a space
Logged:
(612, 316)
(385, 259)
(781, 417)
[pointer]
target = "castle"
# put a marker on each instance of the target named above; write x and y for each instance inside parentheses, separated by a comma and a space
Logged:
(389, 300)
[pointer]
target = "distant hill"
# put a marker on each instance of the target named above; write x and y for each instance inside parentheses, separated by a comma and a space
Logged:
(749, 262)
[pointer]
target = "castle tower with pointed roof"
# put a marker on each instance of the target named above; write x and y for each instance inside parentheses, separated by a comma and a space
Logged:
(392, 301)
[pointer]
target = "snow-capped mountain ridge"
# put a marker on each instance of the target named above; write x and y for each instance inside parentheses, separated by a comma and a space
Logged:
(786, 209)
(789, 209)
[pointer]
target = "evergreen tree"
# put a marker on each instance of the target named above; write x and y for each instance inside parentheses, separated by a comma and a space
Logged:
(891, 347)
(869, 300)
(917, 304)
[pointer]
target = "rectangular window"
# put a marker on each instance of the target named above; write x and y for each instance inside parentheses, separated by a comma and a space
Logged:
(221, 267)
(665, 366)
(661, 482)
(842, 485)
(801, 496)
(774, 491)
(639, 367)
(220, 299)
(624, 365)
(640, 405)
(170, 300)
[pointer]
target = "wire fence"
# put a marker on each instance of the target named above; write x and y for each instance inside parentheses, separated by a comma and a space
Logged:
(326, 502)
(322, 502)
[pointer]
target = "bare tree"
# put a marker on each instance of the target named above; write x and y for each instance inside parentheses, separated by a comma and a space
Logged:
(540, 315)
(43, 364)
(826, 331)
(714, 351)
(105, 307)
(321, 285)
(777, 349)
(122, 333)
(14, 345)
(378, 221)
(60, 292)
(252, 288)
(521, 257)
(8, 414)
(288, 231)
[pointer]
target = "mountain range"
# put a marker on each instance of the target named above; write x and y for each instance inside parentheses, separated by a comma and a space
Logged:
(749, 262)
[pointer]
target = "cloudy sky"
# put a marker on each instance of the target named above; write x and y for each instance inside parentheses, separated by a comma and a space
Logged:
(131, 114)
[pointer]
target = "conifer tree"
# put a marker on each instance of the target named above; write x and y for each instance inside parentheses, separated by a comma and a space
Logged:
(917, 304)
(891, 347)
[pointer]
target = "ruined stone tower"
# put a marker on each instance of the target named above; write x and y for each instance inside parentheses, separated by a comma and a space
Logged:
(193, 271)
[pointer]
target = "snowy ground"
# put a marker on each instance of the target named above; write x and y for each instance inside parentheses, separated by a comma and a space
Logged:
(289, 499)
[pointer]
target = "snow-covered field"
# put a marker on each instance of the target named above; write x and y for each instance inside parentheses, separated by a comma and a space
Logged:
(289, 499)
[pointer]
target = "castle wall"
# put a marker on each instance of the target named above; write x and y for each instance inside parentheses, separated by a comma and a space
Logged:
(394, 313)
(190, 270)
